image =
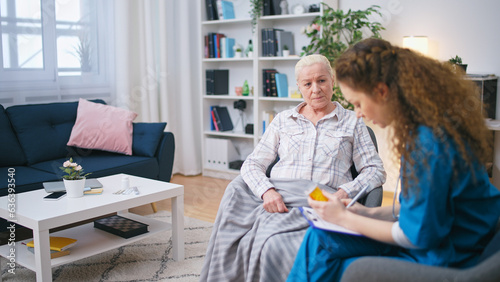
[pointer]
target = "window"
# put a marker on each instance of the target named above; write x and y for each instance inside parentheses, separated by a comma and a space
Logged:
(54, 43)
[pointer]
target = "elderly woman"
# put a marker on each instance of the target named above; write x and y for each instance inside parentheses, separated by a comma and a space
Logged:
(259, 228)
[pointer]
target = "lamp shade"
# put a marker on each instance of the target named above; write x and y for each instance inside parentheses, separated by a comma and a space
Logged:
(417, 43)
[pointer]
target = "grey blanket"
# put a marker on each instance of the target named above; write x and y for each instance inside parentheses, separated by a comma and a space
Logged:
(251, 244)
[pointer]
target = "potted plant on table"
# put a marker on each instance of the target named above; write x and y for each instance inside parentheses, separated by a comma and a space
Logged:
(457, 62)
(74, 178)
(335, 30)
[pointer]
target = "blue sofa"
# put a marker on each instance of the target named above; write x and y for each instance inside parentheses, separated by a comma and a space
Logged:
(33, 142)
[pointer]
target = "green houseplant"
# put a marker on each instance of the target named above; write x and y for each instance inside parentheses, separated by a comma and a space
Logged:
(255, 12)
(84, 52)
(335, 30)
(457, 62)
(286, 51)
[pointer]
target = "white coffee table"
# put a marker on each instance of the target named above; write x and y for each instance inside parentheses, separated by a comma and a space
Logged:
(41, 215)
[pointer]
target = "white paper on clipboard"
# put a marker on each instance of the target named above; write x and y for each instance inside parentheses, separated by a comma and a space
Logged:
(317, 222)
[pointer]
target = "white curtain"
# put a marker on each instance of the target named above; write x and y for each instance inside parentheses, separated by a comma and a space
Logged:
(157, 70)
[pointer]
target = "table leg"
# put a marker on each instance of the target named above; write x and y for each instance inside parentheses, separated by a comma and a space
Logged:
(178, 227)
(43, 265)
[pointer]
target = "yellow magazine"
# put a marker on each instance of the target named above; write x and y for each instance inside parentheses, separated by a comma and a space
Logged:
(57, 243)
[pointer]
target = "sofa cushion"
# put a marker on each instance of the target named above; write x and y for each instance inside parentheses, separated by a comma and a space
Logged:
(11, 153)
(43, 129)
(27, 179)
(102, 127)
(146, 138)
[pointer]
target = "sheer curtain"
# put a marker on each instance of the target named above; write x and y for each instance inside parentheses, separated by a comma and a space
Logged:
(157, 70)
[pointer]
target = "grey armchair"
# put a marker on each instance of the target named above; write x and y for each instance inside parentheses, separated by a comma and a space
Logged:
(394, 270)
(372, 198)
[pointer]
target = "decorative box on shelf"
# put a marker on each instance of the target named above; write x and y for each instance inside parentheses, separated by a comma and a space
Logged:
(121, 226)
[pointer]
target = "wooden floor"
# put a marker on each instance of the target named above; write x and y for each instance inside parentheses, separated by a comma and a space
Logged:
(202, 196)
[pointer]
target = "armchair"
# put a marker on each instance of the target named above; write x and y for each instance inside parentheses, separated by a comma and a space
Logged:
(392, 270)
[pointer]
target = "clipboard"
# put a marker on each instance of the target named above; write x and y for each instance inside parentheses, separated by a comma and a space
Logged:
(317, 222)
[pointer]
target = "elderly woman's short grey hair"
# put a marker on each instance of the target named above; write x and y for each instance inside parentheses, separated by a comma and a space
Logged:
(311, 60)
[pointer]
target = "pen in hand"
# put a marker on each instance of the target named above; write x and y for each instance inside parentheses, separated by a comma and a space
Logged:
(356, 198)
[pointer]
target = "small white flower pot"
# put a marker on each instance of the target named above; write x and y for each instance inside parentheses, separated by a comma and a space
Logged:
(237, 54)
(286, 53)
(74, 188)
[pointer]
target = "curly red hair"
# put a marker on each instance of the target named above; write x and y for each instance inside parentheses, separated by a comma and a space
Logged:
(422, 91)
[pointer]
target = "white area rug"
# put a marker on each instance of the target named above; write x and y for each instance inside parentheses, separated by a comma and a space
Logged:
(146, 260)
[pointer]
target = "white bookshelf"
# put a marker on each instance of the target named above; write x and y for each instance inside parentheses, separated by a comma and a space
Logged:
(250, 69)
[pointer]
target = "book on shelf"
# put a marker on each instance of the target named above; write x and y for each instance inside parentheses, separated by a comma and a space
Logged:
(217, 82)
(227, 10)
(222, 119)
(226, 47)
(213, 125)
(218, 4)
(273, 89)
(210, 42)
(57, 243)
(223, 48)
(269, 42)
(275, 7)
(229, 47)
(211, 9)
(218, 46)
(266, 9)
(284, 38)
(267, 82)
(281, 84)
(53, 253)
(216, 118)
(267, 118)
(206, 51)
(264, 42)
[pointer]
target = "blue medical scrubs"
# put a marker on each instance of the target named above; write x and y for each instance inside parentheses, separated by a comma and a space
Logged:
(449, 215)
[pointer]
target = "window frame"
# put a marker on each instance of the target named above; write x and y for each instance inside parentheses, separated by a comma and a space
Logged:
(25, 81)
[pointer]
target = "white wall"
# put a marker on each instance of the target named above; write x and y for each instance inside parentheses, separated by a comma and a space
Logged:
(454, 27)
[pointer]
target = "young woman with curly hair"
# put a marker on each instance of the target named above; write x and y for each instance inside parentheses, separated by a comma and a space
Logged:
(448, 209)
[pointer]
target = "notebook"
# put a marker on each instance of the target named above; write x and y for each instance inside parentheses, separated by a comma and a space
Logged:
(57, 243)
(58, 186)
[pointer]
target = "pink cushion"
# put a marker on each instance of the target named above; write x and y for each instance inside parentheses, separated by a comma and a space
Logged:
(102, 127)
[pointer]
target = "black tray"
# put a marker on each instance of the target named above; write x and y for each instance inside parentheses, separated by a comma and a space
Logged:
(121, 226)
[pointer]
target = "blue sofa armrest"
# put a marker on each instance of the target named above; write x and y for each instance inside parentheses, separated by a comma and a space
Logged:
(165, 156)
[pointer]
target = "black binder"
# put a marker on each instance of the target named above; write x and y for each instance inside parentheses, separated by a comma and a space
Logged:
(211, 8)
(217, 82)
(224, 120)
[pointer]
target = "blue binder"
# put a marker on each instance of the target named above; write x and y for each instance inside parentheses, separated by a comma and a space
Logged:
(282, 84)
